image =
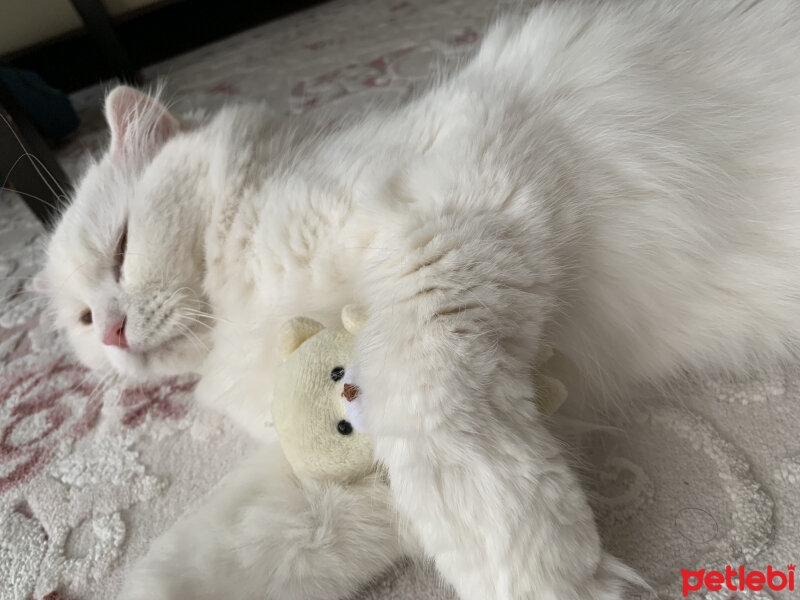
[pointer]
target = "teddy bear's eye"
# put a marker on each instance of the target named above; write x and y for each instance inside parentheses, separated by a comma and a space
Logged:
(337, 373)
(344, 427)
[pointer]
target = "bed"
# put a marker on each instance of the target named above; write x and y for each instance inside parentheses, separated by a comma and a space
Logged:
(91, 473)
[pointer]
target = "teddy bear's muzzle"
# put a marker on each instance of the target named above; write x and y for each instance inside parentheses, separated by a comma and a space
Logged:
(350, 392)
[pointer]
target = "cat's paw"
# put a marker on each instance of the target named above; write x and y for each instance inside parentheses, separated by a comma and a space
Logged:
(612, 580)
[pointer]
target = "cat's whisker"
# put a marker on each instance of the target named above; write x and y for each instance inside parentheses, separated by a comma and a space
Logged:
(32, 158)
(185, 331)
(71, 273)
(118, 399)
(194, 293)
(194, 343)
(178, 291)
(195, 311)
(63, 192)
(36, 163)
(203, 302)
(205, 315)
(98, 385)
(198, 321)
(172, 296)
(101, 384)
(199, 341)
(21, 288)
(188, 331)
(210, 317)
(29, 294)
(28, 195)
(11, 301)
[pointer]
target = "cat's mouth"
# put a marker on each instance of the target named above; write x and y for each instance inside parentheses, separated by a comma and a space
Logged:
(172, 356)
(158, 350)
(164, 346)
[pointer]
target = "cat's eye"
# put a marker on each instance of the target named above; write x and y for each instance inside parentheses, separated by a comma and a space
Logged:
(344, 427)
(337, 373)
(86, 317)
(119, 252)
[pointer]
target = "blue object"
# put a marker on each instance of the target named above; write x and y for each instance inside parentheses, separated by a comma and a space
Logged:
(48, 109)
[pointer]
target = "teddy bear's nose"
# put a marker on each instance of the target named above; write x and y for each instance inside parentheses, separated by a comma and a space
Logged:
(351, 392)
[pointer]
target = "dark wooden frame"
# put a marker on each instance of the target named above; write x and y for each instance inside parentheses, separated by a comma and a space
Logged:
(73, 61)
(108, 50)
(27, 162)
(98, 24)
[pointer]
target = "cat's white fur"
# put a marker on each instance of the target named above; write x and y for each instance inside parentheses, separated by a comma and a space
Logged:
(618, 179)
(264, 533)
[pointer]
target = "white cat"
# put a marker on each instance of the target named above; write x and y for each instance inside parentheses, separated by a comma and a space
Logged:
(617, 179)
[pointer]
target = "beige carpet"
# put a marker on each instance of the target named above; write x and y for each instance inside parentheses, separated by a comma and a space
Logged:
(90, 473)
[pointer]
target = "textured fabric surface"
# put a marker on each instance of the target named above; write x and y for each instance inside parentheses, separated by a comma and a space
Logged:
(90, 473)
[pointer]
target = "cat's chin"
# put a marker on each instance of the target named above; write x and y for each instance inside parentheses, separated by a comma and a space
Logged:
(175, 357)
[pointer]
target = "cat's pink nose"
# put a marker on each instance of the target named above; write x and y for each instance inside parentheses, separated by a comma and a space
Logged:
(115, 335)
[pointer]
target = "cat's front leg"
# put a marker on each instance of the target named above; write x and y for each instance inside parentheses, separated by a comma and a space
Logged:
(443, 364)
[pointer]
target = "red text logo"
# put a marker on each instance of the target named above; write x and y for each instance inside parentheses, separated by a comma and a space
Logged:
(738, 579)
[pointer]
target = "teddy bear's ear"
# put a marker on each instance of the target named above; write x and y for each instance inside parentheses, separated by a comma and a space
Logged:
(353, 318)
(296, 331)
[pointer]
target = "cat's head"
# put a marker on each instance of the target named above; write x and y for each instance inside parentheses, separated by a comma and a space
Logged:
(124, 265)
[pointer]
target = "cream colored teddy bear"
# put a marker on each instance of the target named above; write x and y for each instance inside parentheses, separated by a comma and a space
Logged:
(308, 409)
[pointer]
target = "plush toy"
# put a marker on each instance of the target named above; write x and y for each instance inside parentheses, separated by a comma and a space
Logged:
(308, 410)
(317, 405)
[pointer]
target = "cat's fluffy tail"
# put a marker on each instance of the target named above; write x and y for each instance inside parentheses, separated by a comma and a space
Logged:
(265, 533)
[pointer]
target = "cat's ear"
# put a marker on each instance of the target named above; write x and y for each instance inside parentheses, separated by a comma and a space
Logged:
(140, 124)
